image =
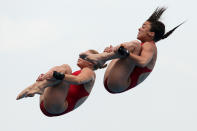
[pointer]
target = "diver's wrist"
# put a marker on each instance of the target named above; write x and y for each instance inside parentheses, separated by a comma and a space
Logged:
(58, 75)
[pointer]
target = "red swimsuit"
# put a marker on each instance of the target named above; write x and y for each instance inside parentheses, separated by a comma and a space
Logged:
(137, 71)
(75, 93)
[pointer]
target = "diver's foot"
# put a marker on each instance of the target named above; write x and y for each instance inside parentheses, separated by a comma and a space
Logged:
(96, 59)
(30, 91)
(38, 88)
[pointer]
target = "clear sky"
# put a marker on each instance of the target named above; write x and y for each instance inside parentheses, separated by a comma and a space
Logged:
(36, 35)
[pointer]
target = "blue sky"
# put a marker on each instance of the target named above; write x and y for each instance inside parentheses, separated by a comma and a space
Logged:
(37, 35)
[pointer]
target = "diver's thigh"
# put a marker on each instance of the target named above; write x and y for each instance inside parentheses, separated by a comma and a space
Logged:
(54, 98)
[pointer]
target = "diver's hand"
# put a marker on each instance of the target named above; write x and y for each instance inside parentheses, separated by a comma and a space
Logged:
(49, 74)
(108, 49)
(40, 77)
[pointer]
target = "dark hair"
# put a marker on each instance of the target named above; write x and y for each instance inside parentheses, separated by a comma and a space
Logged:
(157, 26)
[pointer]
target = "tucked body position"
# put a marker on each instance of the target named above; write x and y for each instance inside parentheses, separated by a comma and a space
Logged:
(124, 73)
(62, 91)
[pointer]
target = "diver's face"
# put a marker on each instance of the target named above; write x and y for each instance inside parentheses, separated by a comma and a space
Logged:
(144, 31)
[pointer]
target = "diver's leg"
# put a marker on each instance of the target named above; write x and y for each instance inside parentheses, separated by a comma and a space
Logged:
(39, 86)
(117, 75)
(112, 53)
(54, 98)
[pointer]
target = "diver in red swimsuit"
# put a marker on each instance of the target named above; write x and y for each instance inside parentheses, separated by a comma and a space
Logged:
(62, 91)
(126, 72)
(138, 73)
(76, 95)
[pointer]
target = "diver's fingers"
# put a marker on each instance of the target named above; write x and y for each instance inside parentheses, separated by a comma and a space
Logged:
(40, 77)
(108, 49)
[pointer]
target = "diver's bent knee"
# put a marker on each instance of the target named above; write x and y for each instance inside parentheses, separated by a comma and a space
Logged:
(137, 49)
(67, 68)
(137, 44)
(65, 65)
